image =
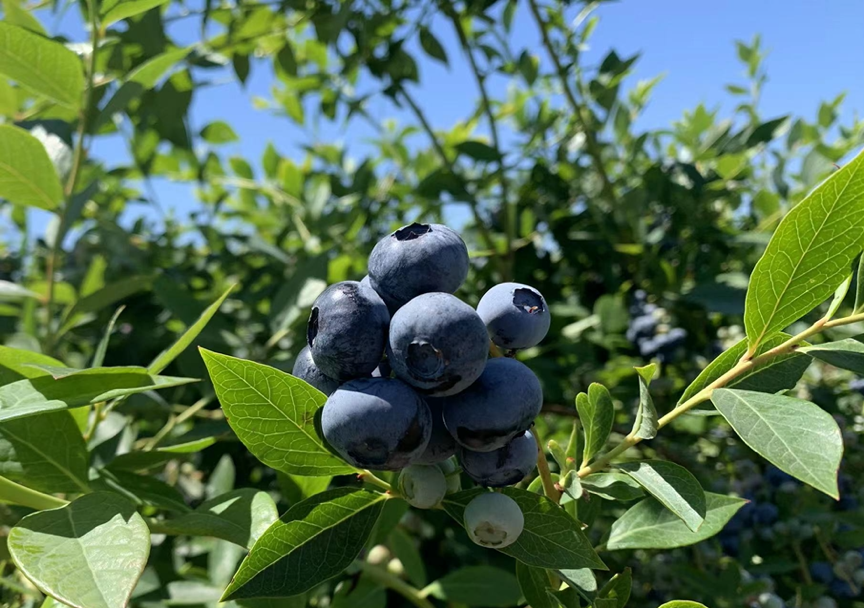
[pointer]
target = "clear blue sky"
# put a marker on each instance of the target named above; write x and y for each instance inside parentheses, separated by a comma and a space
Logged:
(815, 51)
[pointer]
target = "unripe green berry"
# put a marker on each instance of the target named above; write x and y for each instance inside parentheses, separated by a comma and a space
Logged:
(454, 480)
(493, 520)
(423, 486)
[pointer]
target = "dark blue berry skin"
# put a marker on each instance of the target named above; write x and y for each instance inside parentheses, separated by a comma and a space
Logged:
(857, 385)
(516, 315)
(305, 369)
(441, 445)
(347, 330)
(377, 423)
(841, 589)
(438, 344)
(499, 406)
(383, 370)
(502, 467)
(417, 259)
(641, 327)
(822, 572)
(776, 477)
(765, 514)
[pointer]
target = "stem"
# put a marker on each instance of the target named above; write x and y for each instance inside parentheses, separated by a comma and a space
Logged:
(20, 495)
(175, 420)
(509, 223)
(802, 563)
(543, 468)
(98, 416)
(382, 577)
(370, 478)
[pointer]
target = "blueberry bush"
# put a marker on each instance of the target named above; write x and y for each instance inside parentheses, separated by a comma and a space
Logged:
(542, 357)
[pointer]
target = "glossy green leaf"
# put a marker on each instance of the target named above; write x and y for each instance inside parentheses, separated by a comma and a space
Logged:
(477, 586)
(650, 525)
(432, 47)
(102, 347)
(17, 364)
(845, 354)
(45, 394)
(809, 256)
(88, 554)
(18, 15)
(646, 424)
(312, 542)
(273, 415)
(596, 413)
(46, 453)
(218, 132)
(535, 586)
(405, 550)
(42, 65)
(129, 8)
(298, 487)
(683, 604)
(618, 588)
(148, 73)
(673, 485)
(104, 297)
(839, 295)
(582, 580)
(478, 150)
(797, 436)
(240, 516)
(183, 342)
(550, 538)
(27, 176)
(859, 287)
(141, 490)
(365, 594)
(612, 485)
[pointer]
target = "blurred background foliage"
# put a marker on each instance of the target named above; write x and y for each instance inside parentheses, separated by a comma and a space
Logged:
(642, 242)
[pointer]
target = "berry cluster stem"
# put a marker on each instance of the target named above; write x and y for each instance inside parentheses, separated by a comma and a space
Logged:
(384, 578)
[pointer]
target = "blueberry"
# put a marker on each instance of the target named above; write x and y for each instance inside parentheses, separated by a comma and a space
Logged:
(641, 327)
(347, 330)
(417, 259)
(305, 369)
(441, 445)
(493, 520)
(516, 315)
(422, 486)
(775, 476)
(765, 513)
(822, 572)
(383, 370)
(450, 468)
(857, 385)
(500, 405)
(377, 423)
(771, 600)
(438, 344)
(841, 589)
(502, 467)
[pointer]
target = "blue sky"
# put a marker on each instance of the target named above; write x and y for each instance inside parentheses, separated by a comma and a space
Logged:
(815, 51)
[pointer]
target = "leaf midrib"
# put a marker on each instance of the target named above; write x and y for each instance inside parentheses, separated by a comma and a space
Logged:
(47, 457)
(48, 84)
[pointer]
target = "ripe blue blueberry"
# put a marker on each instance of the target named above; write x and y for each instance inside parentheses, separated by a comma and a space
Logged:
(417, 259)
(504, 466)
(516, 315)
(376, 423)
(383, 370)
(822, 572)
(765, 513)
(347, 330)
(422, 486)
(493, 520)
(441, 445)
(438, 344)
(501, 404)
(305, 369)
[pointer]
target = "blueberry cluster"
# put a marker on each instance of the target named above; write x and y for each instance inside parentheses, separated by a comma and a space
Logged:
(649, 329)
(405, 366)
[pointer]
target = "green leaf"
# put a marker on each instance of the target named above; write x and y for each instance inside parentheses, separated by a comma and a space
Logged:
(612, 486)
(102, 347)
(567, 597)
(618, 588)
(148, 73)
(859, 287)
(683, 604)
(240, 516)
(129, 8)
(797, 436)
(46, 453)
(167, 356)
(582, 580)
(18, 15)
(529, 66)
(83, 387)
(809, 255)
(219, 132)
(297, 487)
(845, 354)
(535, 586)
(44, 66)
(312, 542)
(104, 297)
(27, 176)
(404, 549)
(10, 291)
(365, 594)
(477, 586)
(673, 485)
(478, 150)
(432, 46)
(596, 413)
(88, 554)
(839, 295)
(650, 525)
(17, 364)
(273, 414)
(777, 374)
(141, 490)
(645, 425)
(550, 538)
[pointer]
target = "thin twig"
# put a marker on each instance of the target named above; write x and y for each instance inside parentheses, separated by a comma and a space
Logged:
(543, 468)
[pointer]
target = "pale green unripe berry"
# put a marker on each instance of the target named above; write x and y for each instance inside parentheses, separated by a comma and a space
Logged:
(493, 520)
(423, 486)
(379, 554)
(454, 481)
